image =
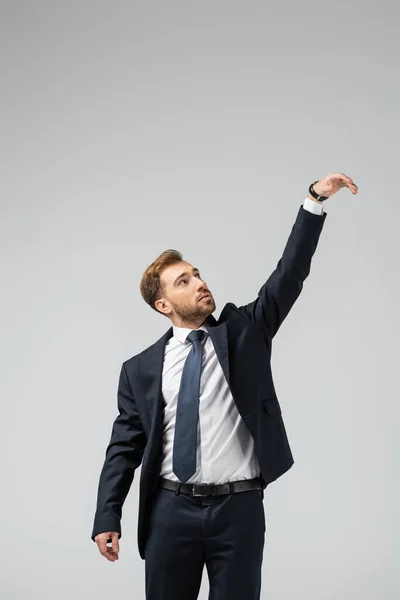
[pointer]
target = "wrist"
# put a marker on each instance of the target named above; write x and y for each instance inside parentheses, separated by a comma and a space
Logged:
(317, 189)
(313, 199)
(316, 193)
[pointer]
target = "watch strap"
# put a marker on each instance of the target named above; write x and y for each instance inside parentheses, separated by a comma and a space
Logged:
(314, 194)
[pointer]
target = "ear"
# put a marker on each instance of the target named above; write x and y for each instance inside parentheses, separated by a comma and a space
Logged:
(163, 306)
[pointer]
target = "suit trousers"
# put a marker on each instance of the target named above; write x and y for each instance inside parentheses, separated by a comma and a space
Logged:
(224, 533)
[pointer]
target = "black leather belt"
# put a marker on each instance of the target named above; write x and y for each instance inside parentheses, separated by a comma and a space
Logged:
(201, 489)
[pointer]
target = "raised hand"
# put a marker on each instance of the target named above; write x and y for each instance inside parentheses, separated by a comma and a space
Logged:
(334, 182)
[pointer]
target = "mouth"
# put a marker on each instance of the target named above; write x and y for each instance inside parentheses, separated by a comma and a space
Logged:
(206, 297)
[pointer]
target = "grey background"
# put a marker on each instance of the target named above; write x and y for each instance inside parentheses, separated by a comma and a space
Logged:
(132, 127)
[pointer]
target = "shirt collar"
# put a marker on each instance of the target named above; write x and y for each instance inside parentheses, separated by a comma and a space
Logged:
(181, 333)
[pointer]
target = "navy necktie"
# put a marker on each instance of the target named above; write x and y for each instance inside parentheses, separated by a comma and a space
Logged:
(187, 412)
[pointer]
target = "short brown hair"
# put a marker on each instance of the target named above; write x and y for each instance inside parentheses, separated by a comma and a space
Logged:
(151, 286)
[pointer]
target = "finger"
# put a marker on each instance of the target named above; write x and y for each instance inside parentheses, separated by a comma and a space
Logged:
(348, 182)
(111, 555)
(108, 553)
(103, 548)
(346, 178)
(115, 543)
(352, 187)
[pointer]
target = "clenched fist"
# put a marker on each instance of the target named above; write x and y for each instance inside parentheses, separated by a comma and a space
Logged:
(109, 552)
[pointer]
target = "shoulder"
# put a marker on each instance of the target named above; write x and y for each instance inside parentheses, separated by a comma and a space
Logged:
(147, 353)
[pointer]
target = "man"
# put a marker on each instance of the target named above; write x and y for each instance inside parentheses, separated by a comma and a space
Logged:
(199, 411)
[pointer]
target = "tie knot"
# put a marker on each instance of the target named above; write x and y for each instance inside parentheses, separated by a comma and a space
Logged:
(196, 335)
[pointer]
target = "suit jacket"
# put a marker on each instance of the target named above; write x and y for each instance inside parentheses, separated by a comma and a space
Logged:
(242, 338)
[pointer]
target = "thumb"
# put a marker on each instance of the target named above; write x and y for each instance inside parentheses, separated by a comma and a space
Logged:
(115, 542)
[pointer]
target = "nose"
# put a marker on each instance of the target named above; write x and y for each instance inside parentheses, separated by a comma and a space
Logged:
(202, 288)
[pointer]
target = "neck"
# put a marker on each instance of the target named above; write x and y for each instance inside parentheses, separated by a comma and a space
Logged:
(192, 325)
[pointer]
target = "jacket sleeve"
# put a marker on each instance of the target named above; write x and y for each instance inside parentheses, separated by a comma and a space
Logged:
(283, 287)
(124, 454)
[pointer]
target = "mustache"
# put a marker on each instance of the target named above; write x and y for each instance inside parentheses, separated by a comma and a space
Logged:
(205, 294)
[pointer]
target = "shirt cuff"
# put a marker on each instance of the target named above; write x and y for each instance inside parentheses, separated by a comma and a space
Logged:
(313, 207)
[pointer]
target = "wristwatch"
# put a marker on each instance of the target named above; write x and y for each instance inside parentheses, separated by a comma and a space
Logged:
(314, 194)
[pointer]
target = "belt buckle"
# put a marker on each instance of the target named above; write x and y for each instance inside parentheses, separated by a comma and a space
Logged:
(199, 486)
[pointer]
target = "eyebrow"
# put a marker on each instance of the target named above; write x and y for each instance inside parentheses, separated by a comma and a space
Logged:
(186, 273)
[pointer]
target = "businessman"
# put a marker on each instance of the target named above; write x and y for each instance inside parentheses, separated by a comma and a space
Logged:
(199, 411)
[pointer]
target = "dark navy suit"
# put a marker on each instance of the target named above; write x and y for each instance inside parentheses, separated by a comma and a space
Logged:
(242, 337)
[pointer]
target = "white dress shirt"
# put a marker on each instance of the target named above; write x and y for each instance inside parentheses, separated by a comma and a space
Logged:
(225, 447)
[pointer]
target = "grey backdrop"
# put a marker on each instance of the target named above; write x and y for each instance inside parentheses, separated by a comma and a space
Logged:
(132, 127)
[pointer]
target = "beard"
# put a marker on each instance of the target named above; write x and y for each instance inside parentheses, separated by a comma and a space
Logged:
(191, 314)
